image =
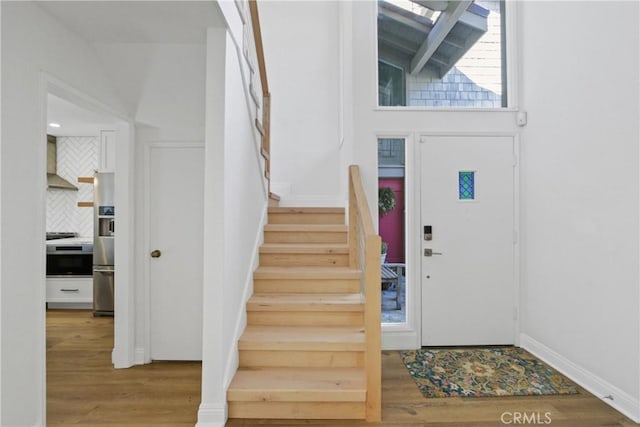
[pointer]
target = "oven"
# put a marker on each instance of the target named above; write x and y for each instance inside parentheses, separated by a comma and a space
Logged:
(68, 258)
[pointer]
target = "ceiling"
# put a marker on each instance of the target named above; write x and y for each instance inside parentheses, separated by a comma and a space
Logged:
(113, 22)
(137, 21)
(74, 120)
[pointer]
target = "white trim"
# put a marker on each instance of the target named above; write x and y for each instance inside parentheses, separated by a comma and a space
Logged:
(1, 283)
(241, 321)
(212, 415)
(123, 336)
(124, 330)
(446, 109)
(517, 246)
(140, 356)
(41, 355)
(513, 61)
(124, 312)
(61, 89)
(621, 401)
(399, 339)
(406, 335)
(143, 351)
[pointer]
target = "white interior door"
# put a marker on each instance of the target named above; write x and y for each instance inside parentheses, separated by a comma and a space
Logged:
(176, 182)
(468, 282)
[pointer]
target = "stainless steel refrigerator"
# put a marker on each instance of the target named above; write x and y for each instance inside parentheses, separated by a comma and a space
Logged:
(103, 244)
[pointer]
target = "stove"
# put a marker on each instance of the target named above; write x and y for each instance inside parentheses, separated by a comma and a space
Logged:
(54, 235)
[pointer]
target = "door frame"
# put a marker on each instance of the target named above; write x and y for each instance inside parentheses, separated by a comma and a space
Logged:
(124, 302)
(124, 309)
(518, 294)
(400, 336)
(143, 350)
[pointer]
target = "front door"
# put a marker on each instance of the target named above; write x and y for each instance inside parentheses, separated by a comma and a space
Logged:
(176, 180)
(468, 272)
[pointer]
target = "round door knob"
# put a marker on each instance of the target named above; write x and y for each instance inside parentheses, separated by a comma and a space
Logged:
(155, 253)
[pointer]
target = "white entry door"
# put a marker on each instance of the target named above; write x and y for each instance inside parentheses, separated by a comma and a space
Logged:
(176, 182)
(468, 279)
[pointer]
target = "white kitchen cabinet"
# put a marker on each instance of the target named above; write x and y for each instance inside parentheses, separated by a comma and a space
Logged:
(107, 158)
(72, 292)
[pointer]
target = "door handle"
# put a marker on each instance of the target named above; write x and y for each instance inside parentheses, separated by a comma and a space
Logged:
(429, 252)
(155, 253)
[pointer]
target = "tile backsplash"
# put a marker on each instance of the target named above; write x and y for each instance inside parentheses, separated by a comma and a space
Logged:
(77, 156)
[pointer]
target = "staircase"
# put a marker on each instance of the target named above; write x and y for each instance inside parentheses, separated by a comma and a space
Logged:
(303, 352)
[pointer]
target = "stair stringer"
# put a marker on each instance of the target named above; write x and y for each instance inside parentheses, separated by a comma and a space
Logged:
(240, 323)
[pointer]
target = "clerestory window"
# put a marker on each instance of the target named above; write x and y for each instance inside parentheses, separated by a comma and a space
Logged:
(442, 53)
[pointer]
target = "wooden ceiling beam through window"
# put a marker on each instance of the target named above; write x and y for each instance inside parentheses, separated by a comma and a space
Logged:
(445, 23)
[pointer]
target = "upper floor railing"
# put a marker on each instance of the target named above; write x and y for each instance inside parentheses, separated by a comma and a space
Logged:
(264, 125)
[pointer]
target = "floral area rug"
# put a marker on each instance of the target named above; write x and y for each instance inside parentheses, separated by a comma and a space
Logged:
(483, 372)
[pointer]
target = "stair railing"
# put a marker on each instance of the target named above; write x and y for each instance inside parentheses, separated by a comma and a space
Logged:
(364, 254)
(264, 126)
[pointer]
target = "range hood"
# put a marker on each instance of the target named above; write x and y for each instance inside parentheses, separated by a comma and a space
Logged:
(53, 179)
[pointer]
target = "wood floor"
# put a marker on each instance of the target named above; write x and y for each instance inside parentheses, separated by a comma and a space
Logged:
(84, 389)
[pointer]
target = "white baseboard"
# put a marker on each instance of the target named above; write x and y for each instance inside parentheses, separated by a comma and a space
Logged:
(140, 356)
(618, 399)
(395, 339)
(212, 415)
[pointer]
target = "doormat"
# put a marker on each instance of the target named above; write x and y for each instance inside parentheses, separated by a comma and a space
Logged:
(483, 372)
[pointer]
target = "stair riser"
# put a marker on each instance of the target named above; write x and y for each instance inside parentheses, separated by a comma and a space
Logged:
(310, 286)
(297, 410)
(305, 237)
(301, 359)
(306, 218)
(305, 318)
(304, 260)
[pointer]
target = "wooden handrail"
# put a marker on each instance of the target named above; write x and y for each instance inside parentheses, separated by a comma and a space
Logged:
(263, 127)
(364, 254)
(257, 38)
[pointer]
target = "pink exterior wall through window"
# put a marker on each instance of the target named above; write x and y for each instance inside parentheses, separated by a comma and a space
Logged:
(391, 225)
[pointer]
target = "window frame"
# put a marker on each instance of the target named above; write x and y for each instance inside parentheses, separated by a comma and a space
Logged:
(510, 69)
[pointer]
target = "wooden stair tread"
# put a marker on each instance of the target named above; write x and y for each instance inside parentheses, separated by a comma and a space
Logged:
(263, 272)
(298, 385)
(304, 210)
(306, 302)
(306, 228)
(305, 248)
(310, 338)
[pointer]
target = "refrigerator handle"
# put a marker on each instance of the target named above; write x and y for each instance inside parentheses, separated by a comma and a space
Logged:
(103, 270)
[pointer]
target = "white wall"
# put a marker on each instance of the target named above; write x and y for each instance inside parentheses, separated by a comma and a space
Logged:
(580, 181)
(31, 42)
(163, 85)
(235, 209)
(581, 185)
(302, 58)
